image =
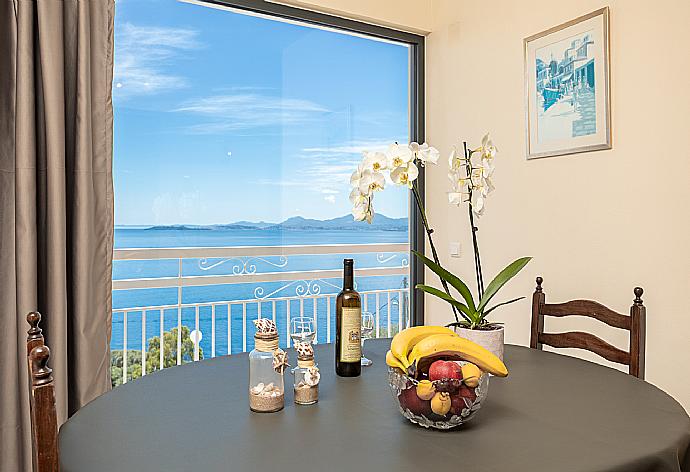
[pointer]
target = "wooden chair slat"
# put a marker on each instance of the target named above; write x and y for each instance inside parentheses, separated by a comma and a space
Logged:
(635, 324)
(590, 309)
(587, 341)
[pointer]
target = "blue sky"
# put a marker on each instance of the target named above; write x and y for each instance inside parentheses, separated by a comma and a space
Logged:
(221, 117)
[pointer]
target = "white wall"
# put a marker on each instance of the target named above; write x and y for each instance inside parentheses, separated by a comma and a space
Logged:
(598, 223)
(409, 15)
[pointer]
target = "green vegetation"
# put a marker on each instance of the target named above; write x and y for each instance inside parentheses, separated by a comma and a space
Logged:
(134, 364)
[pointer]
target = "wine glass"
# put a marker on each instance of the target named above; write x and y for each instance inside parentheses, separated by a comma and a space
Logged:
(302, 329)
(368, 325)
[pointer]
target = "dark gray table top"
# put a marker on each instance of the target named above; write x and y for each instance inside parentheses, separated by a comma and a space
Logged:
(553, 413)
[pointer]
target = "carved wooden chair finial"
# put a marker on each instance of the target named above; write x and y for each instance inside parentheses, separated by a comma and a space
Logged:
(638, 295)
(40, 372)
(33, 318)
(539, 281)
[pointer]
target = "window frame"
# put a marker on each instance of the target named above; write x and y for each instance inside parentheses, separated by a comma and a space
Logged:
(417, 130)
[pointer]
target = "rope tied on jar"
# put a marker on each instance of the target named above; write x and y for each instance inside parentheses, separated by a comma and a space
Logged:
(266, 340)
(265, 344)
(305, 363)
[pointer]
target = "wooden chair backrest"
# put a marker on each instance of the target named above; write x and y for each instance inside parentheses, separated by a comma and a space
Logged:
(44, 430)
(635, 323)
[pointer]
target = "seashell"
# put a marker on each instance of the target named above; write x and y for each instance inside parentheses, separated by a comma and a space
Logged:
(265, 326)
(258, 388)
(304, 350)
(269, 388)
(312, 376)
(280, 360)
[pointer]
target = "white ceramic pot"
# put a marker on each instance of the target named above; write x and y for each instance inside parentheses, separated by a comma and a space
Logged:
(492, 340)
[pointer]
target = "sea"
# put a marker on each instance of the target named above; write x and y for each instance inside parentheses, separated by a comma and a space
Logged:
(262, 295)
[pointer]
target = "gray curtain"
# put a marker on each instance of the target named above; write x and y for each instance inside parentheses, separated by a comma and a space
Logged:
(56, 204)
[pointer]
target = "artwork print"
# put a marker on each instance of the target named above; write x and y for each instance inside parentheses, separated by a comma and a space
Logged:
(567, 88)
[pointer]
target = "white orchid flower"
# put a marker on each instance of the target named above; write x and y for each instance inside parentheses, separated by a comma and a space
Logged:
(371, 182)
(356, 197)
(363, 211)
(457, 198)
(460, 188)
(357, 176)
(487, 167)
(472, 189)
(398, 156)
(487, 149)
(424, 152)
(477, 203)
(457, 160)
(375, 161)
(405, 175)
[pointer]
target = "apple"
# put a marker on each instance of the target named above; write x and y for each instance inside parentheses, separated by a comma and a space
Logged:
(445, 370)
(457, 404)
(468, 393)
(408, 399)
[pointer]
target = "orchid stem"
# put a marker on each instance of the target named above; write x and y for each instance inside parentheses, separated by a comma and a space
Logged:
(475, 244)
(429, 232)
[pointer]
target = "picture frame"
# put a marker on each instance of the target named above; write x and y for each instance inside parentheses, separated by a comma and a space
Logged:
(567, 87)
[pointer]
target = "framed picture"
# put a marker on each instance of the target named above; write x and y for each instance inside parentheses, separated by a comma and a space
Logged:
(567, 87)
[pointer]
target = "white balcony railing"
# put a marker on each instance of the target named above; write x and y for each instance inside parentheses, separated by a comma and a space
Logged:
(215, 292)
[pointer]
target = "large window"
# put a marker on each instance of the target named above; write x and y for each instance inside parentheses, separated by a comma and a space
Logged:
(235, 136)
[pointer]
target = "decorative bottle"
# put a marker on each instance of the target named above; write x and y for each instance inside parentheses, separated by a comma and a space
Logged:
(267, 363)
(306, 375)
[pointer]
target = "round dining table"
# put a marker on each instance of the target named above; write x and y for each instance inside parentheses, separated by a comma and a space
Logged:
(553, 413)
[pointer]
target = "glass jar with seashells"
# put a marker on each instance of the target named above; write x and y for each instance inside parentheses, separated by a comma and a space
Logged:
(267, 363)
(306, 374)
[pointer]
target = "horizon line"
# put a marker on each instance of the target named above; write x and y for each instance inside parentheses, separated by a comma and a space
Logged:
(237, 222)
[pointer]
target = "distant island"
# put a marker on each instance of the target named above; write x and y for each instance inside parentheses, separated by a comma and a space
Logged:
(343, 223)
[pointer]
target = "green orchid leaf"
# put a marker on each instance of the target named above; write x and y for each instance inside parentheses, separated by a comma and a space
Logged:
(501, 279)
(455, 281)
(444, 296)
(489, 310)
(461, 324)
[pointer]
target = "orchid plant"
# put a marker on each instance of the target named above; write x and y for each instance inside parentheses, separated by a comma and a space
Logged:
(470, 172)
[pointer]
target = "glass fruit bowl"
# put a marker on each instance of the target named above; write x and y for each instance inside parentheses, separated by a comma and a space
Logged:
(465, 400)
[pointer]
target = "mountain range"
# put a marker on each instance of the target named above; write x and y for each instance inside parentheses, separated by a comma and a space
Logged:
(346, 223)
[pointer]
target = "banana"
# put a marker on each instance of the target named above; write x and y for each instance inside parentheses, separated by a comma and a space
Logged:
(392, 361)
(405, 340)
(447, 345)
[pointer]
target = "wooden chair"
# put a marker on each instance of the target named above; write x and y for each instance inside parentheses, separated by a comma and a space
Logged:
(41, 400)
(635, 324)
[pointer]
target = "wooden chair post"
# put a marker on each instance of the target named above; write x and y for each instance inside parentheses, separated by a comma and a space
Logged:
(43, 413)
(638, 322)
(538, 299)
(34, 336)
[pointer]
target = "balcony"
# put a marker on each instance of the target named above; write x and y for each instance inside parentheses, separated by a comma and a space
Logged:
(201, 301)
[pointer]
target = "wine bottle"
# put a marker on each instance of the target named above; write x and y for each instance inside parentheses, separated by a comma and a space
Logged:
(348, 312)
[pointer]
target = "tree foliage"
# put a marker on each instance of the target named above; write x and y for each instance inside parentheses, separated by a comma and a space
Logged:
(134, 364)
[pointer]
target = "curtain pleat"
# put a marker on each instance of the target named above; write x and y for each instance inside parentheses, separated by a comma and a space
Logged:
(56, 204)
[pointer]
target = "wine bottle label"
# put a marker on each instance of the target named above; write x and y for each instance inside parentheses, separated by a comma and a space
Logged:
(350, 327)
